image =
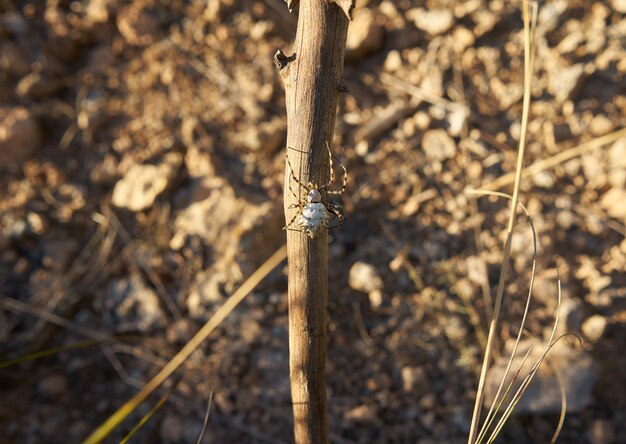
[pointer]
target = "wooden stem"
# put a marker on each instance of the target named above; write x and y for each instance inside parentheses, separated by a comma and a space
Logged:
(312, 77)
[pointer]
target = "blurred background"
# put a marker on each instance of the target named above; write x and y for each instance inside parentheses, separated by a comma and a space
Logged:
(141, 169)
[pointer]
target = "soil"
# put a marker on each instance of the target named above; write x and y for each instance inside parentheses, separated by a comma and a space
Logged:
(141, 169)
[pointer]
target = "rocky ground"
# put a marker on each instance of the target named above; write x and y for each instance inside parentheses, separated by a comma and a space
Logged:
(141, 168)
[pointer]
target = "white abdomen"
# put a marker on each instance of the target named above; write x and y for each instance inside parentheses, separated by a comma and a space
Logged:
(314, 217)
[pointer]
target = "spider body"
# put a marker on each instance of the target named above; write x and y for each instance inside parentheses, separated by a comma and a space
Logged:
(313, 215)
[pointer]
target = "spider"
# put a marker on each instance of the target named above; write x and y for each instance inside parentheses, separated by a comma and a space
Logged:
(314, 215)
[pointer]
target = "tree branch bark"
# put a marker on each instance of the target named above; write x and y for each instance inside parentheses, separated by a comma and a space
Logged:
(312, 77)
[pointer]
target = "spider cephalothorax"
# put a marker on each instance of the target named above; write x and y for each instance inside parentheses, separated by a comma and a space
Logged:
(313, 215)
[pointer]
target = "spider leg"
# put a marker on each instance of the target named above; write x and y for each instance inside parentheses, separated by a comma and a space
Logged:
(293, 176)
(332, 172)
(337, 210)
(294, 194)
(345, 179)
(293, 219)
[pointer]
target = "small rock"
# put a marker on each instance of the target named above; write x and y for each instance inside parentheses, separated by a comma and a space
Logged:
(361, 413)
(139, 23)
(393, 62)
(485, 21)
(364, 277)
(613, 202)
(600, 125)
(575, 368)
(438, 145)
(550, 16)
(20, 137)
(266, 136)
(413, 378)
(563, 82)
(97, 11)
(619, 6)
(376, 298)
(142, 184)
(129, 306)
(52, 386)
(545, 179)
(434, 22)
(463, 38)
(594, 327)
(365, 35)
(476, 270)
(456, 120)
(455, 329)
(565, 219)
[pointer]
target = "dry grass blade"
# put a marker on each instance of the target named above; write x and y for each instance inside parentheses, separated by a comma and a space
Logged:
(19, 306)
(559, 426)
(551, 162)
(529, 28)
(239, 295)
(524, 386)
(44, 353)
(144, 420)
(206, 418)
(528, 379)
(498, 400)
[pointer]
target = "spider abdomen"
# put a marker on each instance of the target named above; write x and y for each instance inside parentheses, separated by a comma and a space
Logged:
(314, 216)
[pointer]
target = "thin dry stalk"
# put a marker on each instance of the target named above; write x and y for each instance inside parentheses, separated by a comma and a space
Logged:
(529, 28)
(497, 399)
(143, 420)
(557, 159)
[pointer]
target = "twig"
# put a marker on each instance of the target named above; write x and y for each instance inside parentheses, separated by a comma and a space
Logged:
(312, 77)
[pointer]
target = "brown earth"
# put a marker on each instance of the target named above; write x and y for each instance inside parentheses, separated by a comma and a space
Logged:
(142, 157)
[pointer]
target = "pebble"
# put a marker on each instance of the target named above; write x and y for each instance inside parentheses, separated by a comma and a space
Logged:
(413, 378)
(142, 184)
(139, 24)
(619, 6)
(365, 35)
(52, 386)
(593, 328)
(129, 305)
(361, 413)
(393, 62)
(434, 22)
(563, 82)
(576, 369)
(438, 145)
(613, 202)
(20, 137)
(365, 278)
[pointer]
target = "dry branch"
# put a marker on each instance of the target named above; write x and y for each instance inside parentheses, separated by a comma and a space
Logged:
(312, 77)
